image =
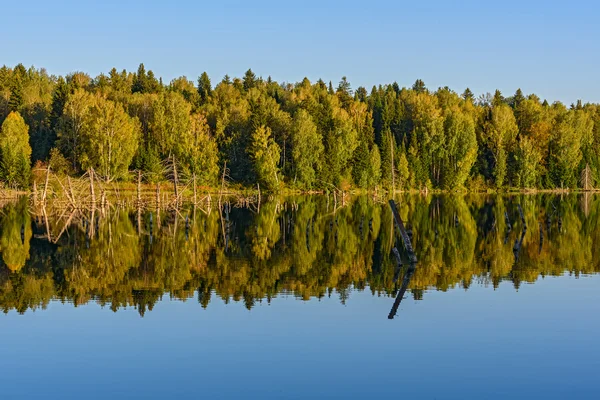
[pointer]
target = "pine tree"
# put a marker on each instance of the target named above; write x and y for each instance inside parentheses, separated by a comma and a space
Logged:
(419, 86)
(152, 84)
(139, 80)
(16, 95)
(204, 87)
(468, 95)
(517, 99)
(59, 99)
(249, 80)
(498, 98)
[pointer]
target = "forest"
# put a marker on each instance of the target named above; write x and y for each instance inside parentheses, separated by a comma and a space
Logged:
(300, 136)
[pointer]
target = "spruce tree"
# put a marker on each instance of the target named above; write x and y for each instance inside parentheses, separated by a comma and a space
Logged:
(419, 86)
(16, 95)
(204, 87)
(60, 96)
(139, 80)
(249, 80)
(468, 95)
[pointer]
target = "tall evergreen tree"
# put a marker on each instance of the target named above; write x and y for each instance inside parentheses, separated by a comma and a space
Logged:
(249, 80)
(140, 80)
(15, 102)
(204, 87)
(419, 86)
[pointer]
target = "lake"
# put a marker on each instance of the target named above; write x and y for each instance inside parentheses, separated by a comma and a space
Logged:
(302, 297)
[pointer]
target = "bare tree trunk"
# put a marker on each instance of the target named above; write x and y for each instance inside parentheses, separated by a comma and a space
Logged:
(222, 183)
(157, 196)
(93, 194)
(195, 190)
(258, 186)
(46, 185)
(139, 188)
(72, 196)
(175, 181)
(34, 194)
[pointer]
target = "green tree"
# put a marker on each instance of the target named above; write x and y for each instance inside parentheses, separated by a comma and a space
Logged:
(374, 167)
(15, 236)
(249, 80)
(110, 140)
(71, 126)
(499, 134)
(386, 158)
(15, 151)
(60, 97)
(16, 95)
(361, 169)
(564, 148)
(264, 153)
(307, 149)
(403, 175)
(528, 160)
(169, 122)
(419, 86)
(202, 156)
(204, 87)
(461, 147)
(468, 95)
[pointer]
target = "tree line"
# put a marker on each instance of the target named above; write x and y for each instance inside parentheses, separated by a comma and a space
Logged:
(305, 136)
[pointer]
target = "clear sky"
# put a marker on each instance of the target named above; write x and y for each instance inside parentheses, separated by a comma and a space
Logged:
(548, 47)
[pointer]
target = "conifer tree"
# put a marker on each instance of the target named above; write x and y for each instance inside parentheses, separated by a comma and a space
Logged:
(16, 95)
(249, 80)
(419, 86)
(204, 87)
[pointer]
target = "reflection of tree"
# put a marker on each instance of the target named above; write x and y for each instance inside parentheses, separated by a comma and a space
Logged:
(266, 231)
(296, 246)
(16, 234)
(100, 267)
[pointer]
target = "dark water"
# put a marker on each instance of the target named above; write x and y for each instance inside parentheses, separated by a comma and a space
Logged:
(297, 301)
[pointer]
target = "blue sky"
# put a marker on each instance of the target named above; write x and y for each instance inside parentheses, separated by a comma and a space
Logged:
(549, 48)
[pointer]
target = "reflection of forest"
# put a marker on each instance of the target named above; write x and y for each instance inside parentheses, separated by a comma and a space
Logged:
(300, 246)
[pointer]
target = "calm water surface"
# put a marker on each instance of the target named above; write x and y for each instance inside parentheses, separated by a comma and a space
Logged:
(297, 300)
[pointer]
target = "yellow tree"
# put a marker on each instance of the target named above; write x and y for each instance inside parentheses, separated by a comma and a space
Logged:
(110, 139)
(15, 151)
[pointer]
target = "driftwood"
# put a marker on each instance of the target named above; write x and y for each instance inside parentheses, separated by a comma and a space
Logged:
(405, 281)
(405, 238)
(175, 181)
(398, 263)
